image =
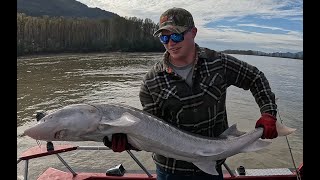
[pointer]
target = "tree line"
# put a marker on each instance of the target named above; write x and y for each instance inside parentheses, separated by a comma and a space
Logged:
(60, 34)
(298, 55)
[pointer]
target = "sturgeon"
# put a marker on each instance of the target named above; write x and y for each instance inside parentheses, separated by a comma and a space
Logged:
(92, 122)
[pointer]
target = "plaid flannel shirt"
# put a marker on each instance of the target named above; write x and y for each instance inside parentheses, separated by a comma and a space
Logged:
(200, 109)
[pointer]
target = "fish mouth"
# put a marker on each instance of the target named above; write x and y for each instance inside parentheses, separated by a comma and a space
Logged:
(27, 133)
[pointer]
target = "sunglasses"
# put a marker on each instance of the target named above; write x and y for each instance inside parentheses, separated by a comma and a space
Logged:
(175, 37)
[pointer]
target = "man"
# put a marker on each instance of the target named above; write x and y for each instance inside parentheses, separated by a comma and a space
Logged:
(187, 88)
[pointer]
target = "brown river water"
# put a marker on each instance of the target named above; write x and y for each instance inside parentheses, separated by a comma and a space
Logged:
(49, 82)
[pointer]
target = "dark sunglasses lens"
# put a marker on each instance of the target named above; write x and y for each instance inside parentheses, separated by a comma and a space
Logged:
(177, 37)
(164, 39)
(174, 37)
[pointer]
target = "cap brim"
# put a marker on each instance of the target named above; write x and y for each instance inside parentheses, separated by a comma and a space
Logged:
(174, 29)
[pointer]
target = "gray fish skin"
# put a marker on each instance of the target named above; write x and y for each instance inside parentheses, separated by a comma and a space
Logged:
(92, 122)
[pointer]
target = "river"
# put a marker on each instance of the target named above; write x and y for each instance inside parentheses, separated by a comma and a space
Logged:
(48, 82)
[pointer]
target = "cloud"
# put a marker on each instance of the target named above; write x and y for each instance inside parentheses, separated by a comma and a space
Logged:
(245, 40)
(264, 27)
(209, 11)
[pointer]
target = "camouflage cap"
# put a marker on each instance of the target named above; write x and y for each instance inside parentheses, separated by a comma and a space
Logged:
(176, 20)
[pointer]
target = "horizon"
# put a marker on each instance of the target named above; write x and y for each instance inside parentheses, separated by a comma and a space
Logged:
(265, 25)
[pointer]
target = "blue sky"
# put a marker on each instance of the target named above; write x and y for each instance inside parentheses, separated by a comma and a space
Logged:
(262, 25)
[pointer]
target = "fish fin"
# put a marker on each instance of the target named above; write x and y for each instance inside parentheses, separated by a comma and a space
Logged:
(231, 131)
(283, 130)
(126, 119)
(207, 167)
(255, 146)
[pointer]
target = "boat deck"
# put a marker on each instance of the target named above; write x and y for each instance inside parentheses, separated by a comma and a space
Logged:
(52, 173)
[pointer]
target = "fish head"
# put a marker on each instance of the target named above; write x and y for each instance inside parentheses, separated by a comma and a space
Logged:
(69, 123)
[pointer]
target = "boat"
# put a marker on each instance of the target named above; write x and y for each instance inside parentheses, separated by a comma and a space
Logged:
(119, 173)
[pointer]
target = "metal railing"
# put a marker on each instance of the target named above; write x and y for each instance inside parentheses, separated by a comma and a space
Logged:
(76, 148)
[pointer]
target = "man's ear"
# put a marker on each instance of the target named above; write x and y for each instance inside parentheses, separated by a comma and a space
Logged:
(194, 31)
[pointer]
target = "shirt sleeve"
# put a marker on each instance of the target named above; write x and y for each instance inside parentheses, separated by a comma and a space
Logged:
(249, 77)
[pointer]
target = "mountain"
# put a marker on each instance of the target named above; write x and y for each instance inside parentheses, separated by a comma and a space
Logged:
(65, 8)
(297, 55)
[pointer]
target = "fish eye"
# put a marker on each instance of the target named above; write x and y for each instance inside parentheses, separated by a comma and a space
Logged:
(59, 134)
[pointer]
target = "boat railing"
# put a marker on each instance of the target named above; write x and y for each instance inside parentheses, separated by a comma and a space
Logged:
(40, 151)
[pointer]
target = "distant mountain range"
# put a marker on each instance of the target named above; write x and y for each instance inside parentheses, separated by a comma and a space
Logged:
(298, 55)
(65, 8)
(73, 8)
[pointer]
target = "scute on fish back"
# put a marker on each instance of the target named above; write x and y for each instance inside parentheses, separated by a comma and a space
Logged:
(92, 122)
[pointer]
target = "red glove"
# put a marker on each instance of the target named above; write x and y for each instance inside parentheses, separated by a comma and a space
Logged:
(268, 122)
(119, 143)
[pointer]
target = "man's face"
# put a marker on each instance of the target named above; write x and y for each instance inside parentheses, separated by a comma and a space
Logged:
(180, 49)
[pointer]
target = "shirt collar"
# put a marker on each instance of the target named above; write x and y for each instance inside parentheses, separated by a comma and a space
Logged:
(166, 55)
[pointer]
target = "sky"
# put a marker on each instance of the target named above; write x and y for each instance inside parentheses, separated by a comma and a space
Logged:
(259, 25)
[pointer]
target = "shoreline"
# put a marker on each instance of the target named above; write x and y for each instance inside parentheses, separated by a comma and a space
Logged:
(80, 53)
(106, 52)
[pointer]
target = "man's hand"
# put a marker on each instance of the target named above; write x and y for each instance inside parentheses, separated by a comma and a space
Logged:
(118, 143)
(268, 122)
